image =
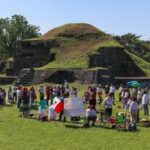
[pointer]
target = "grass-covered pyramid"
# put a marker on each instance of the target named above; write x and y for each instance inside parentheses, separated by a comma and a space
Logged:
(82, 46)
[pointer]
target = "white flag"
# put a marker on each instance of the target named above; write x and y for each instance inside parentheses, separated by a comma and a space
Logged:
(73, 107)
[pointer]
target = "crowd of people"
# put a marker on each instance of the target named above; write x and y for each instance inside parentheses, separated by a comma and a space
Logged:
(130, 99)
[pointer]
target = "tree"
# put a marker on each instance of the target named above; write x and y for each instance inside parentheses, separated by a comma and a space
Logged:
(133, 44)
(13, 30)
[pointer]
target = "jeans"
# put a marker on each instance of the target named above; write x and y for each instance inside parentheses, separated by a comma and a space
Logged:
(145, 106)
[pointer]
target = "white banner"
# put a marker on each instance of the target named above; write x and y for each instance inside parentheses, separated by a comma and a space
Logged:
(73, 107)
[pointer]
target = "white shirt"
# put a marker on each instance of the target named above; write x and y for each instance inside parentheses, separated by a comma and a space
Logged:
(126, 95)
(145, 99)
(108, 102)
(133, 106)
(139, 94)
(19, 93)
(90, 113)
(41, 90)
(120, 89)
(112, 89)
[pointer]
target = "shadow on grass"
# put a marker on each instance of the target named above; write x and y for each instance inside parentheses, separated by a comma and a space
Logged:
(1, 107)
(73, 126)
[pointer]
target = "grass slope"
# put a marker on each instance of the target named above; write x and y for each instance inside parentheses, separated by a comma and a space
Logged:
(76, 41)
(77, 55)
(141, 63)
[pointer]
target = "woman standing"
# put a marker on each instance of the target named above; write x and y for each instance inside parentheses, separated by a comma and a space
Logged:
(133, 110)
(109, 101)
(25, 103)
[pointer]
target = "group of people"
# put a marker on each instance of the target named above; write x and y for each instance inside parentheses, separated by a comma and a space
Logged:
(24, 97)
(134, 100)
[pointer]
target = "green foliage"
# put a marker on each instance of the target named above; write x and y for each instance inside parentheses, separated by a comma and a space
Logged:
(12, 31)
(146, 56)
(108, 43)
(141, 63)
(133, 44)
(66, 63)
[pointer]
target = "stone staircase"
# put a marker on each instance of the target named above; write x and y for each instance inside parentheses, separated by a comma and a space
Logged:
(25, 77)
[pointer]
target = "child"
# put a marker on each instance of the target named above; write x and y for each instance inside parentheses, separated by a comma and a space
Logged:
(42, 109)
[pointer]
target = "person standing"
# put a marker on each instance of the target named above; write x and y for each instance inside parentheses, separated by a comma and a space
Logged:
(48, 94)
(74, 92)
(42, 109)
(2, 96)
(41, 91)
(32, 95)
(92, 100)
(19, 96)
(112, 91)
(133, 110)
(126, 98)
(14, 89)
(91, 115)
(25, 103)
(108, 105)
(10, 95)
(145, 102)
(120, 90)
(139, 96)
(99, 94)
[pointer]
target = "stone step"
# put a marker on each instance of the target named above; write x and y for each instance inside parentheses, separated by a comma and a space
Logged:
(25, 77)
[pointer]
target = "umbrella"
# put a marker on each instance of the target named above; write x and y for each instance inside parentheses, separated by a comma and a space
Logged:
(134, 84)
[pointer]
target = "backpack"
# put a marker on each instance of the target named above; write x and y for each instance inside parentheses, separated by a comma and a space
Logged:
(132, 127)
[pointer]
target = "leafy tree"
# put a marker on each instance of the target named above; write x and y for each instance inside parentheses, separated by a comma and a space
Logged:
(12, 31)
(133, 44)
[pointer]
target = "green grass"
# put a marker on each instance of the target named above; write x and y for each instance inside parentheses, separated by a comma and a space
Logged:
(69, 63)
(26, 134)
(141, 63)
(3, 75)
(106, 43)
(97, 68)
(30, 134)
(76, 59)
(146, 56)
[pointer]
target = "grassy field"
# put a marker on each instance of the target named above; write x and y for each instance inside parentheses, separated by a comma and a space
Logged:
(2, 75)
(30, 134)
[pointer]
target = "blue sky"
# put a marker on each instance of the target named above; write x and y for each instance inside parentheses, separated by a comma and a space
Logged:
(112, 16)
